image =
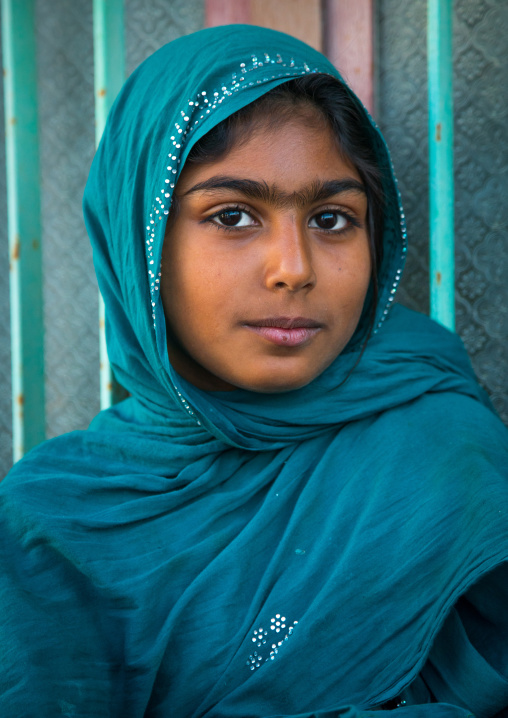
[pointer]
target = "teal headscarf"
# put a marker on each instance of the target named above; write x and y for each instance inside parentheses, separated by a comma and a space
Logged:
(314, 553)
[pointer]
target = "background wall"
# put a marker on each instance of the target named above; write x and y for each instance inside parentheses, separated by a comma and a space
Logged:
(65, 57)
(5, 334)
(481, 167)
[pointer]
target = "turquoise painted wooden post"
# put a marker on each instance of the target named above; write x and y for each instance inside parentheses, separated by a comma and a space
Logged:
(441, 190)
(109, 75)
(24, 228)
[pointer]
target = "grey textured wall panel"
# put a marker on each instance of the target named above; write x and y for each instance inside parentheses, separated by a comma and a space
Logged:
(149, 24)
(66, 116)
(65, 60)
(481, 167)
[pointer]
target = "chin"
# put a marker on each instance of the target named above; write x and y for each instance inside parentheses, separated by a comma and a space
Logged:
(277, 378)
(272, 385)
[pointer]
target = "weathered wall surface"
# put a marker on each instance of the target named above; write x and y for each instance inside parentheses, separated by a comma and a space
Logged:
(481, 167)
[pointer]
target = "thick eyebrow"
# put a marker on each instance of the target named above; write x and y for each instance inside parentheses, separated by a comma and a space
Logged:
(317, 191)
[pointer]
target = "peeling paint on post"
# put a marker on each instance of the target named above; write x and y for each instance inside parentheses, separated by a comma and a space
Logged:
(22, 170)
(441, 187)
(109, 75)
(16, 248)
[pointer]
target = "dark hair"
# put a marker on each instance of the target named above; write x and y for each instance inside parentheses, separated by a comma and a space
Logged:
(354, 135)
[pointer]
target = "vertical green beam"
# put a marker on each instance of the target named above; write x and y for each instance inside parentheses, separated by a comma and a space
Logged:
(441, 190)
(109, 75)
(24, 224)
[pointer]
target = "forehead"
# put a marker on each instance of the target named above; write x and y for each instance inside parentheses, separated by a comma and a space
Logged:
(299, 151)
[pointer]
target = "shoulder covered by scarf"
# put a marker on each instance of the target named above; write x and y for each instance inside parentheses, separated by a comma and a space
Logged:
(331, 551)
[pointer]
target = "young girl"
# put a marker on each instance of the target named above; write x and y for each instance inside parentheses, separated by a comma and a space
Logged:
(302, 508)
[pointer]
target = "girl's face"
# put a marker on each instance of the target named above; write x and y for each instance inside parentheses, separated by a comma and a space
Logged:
(266, 265)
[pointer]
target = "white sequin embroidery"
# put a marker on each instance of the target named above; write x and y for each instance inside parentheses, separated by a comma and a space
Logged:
(270, 638)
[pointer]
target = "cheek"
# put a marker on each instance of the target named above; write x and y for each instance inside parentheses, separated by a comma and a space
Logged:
(195, 291)
(349, 278)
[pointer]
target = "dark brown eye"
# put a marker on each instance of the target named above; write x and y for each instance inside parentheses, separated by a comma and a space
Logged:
(328, 220)
(230, 218)
(233, 218)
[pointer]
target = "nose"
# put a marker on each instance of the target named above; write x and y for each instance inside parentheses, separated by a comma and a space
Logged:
(289, 258)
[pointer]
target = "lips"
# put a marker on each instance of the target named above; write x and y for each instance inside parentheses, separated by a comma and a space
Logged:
(285, 331)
